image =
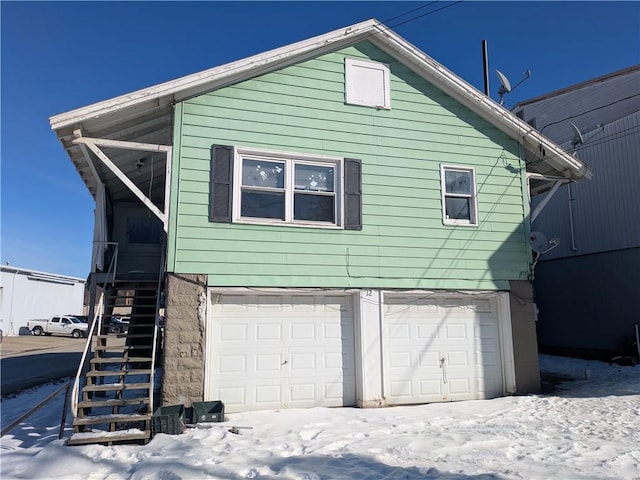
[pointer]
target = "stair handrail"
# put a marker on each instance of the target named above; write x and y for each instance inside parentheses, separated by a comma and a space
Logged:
(87, 349)
(95, 322)
(156, 327)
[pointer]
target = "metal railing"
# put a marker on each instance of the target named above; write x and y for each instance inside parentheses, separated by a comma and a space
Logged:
(156, 328)
(96, 322)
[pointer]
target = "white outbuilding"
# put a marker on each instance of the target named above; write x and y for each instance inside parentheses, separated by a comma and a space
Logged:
(27, 294)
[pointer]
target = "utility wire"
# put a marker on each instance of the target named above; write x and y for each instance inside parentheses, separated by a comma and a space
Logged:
(589, 111)
(424, 14)
(612, 137)
(410, 11)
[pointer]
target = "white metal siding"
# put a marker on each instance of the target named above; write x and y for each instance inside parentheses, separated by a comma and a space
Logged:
(27, 297)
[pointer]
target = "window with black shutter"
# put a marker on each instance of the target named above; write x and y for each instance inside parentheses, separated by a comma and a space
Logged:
(259, 186)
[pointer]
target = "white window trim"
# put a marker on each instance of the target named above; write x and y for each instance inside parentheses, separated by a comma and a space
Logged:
(350, 89)
(474, 196)
(290, 157)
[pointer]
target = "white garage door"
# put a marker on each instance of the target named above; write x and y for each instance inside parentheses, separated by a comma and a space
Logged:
(281, 351)
(441, 349)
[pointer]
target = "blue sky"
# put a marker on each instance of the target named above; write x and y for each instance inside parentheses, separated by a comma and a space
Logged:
(58, 56)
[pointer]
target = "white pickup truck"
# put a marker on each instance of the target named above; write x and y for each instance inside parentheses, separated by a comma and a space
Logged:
(60, 325)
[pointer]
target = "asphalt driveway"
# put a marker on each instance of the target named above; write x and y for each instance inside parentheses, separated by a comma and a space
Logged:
(27, 361)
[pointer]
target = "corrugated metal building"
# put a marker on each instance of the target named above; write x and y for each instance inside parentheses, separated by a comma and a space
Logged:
(588, 287)
(27, 294)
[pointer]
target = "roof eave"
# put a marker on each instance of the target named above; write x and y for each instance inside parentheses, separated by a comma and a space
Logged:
(217, 77)
(562, 161)
(372, 30)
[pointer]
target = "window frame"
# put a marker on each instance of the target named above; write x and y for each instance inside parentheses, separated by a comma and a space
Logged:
(351, 87)
(473, 196)
(290, 160)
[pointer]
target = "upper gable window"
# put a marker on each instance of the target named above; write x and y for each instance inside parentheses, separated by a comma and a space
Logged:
(367, 83)
(459, 195)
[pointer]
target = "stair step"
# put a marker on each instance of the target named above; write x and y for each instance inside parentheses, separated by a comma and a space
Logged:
(114, 402)
(121, 360)
(123, 335)
(123, 348)
(101, 436)
(118, 373)
(108, 387)
(114, 418)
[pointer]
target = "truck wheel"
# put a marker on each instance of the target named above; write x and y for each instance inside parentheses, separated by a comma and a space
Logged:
(37, 331)
(76, 334)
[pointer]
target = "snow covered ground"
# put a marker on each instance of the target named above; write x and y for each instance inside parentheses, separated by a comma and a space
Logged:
(588, 429)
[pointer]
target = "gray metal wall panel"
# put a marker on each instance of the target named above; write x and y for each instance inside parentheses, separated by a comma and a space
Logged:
(588, 302)
(606, 209)
(597, 103)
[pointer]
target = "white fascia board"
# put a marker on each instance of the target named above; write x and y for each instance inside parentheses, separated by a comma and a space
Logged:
(481, 104)
(190, 85)
(29, 271)
(377, 33)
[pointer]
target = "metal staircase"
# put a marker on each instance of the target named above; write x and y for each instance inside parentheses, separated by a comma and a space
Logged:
(113, 395)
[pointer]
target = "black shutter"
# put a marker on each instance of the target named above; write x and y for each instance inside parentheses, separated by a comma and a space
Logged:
(352, 194)
(221, 185)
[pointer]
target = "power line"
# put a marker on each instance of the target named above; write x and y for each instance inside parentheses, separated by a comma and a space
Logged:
(613, 136)
(589, 111)
(410, 11)
(424, 14)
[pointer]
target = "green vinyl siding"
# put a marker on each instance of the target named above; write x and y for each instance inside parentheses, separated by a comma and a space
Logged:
(403, 242)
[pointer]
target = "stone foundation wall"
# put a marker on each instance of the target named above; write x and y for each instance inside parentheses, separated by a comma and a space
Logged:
(185, 316)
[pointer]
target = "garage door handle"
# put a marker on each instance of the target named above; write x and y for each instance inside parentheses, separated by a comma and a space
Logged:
(443, 366)
(284, 363)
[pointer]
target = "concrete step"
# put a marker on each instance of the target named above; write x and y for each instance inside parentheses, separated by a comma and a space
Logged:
(99, 436)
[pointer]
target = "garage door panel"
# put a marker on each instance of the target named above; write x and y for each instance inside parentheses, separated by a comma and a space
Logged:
(233, 364)
(234, 396)
(268, 395)
(233, 332)
(431, 388)
(418, 333)
(430, 360)
(456, 331)
(268, 332)
(400, 388)
(458, 359)
(459, 386)
(278, 351)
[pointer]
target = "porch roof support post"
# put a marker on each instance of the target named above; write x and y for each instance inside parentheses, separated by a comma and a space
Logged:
(545, 200)
(167, 188)
(123, 178)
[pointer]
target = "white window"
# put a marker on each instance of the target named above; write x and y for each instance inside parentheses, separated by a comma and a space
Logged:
(459, 201)
(277, 187)
(367, 83)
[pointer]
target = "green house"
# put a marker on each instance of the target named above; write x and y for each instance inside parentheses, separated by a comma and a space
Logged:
(337, 222)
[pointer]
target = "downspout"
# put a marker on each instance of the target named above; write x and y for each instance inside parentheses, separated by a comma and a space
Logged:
(13, 289)
(571, 225)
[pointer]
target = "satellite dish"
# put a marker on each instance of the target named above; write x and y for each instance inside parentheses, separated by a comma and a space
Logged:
(505, 85)
(577, 136)
(540, 244)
